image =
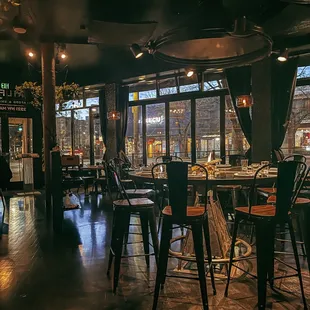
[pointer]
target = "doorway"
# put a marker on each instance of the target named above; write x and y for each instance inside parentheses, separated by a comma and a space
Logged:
(20, 142)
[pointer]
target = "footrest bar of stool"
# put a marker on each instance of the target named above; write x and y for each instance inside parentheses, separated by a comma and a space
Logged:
(284, 277)
(286, 264)
(137, 255)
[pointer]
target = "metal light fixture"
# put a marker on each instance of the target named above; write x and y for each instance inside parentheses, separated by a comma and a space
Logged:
(114, 115)
(283, 56)
(244, 101)
(31, 54)
(189, 72)
(136, 50)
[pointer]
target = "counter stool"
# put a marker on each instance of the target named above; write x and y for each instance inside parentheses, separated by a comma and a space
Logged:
(122, 210)
(266, 218)
(179, 213)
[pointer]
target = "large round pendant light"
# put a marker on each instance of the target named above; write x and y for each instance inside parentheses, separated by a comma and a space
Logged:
(213, 47)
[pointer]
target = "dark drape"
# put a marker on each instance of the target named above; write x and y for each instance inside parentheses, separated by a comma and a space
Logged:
(103, 115)
(122, 107)
(239, 83)
(284, 77)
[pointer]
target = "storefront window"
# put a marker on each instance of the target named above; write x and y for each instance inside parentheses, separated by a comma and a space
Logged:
(235, 142)
(155, 131)
(297, 138)
(63, 130)
(207, 127)
(92, 101)
(180, 128)
(134, 140)
(81, 135)
(72, 104)
(99, 147)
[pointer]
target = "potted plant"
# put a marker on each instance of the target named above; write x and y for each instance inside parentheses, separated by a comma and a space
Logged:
(31, 92)
(67, 92)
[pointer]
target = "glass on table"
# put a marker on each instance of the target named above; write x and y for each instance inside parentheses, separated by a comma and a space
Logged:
(244, 164)
(264, 163)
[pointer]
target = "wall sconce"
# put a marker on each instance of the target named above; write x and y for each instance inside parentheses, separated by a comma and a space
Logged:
(114, 115)
(244, 101)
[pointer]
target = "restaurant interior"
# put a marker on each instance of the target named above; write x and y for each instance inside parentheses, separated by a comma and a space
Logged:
(148, 150)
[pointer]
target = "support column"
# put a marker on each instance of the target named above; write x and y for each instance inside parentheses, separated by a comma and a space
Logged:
(261, 111)
(49, 118)
(111, 98)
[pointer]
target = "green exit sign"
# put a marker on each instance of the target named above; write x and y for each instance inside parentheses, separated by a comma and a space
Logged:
(5, 85)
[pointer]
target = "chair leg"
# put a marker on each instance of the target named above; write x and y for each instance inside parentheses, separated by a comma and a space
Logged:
(154, 235)
(208, 247)
(198, 245)
(121, 224)
(160, 220)
(270, 263)
(294, 245)
(111, 254)
(145, 236)
(301, 236)
(263, 232)
(163, 259)
(232, 250)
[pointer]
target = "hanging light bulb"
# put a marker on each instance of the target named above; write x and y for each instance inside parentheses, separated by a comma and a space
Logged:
(31, 54)
(244, 101)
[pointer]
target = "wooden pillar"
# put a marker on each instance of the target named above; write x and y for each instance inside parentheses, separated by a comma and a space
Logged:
(49, 118)
(111, 97)
(261, 111)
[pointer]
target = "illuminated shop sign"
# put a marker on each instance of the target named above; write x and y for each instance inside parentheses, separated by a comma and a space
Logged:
(155, 120)
(10, 100)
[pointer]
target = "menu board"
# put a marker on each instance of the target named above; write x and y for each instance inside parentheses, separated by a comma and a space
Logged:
(10, 101)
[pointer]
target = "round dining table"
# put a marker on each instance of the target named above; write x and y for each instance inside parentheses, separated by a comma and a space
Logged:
(217, 222)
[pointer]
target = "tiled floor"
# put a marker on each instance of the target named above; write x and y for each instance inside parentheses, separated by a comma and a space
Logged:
(41, 271)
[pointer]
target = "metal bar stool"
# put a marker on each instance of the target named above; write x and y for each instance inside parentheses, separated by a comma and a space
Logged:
(122, 210)
(266, 218)
(179, 213)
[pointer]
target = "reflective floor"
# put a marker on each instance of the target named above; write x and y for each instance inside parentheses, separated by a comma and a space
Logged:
(39, 270)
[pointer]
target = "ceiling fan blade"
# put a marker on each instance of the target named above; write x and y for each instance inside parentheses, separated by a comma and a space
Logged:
(111, 33)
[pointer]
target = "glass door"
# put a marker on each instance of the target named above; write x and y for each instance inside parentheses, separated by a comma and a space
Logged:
(20, 142)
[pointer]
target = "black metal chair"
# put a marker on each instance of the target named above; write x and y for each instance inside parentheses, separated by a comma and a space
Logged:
(122, 210)
(179, 213)
(296, 157)
(118, 165)
(266, 218)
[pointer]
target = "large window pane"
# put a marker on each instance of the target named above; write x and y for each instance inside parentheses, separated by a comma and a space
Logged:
(235, 142)
(297, 138)
(155, 131)
(63, 129)
(81, 135)
(134, 140)
(99, 148)
(207, 127)
(180, 128)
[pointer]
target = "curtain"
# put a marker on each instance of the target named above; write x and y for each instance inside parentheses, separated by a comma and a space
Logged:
(103, 116)
(239, 83)
(284, 77)
(122, 107)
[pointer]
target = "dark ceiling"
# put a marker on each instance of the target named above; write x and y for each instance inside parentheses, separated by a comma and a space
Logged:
(99, 33)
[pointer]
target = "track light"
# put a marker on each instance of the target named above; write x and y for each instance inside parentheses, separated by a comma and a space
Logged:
(189, 72)
(31, 54)
(62, 52)
(283, 56)
(136, 50)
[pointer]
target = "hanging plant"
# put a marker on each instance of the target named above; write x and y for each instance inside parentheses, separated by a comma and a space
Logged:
(31, 92)
(67, 92)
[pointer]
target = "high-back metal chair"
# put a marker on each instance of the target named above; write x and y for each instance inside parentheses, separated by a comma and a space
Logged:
(168, 159)
(178, 212)
(265, 218)
(122, 210)
(296, 157)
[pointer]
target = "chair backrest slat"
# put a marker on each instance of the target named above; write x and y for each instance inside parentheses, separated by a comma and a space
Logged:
(168, 159)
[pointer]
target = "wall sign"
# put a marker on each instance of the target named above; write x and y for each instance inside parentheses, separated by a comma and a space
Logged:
(10, 101)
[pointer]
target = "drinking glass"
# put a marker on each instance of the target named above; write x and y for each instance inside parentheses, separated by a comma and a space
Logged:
(264, 163)
(244, 164)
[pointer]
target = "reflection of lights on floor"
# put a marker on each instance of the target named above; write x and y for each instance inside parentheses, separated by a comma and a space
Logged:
(6, 273)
